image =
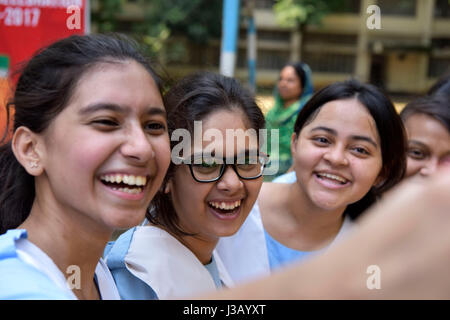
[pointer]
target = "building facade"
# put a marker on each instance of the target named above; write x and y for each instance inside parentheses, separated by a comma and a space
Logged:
(409, 51)
(406, 55)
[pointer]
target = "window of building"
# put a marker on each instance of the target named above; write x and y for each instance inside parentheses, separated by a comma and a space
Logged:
(271, 35)
(348, 6)
(440, 43)
(341, 39)
(199, 56)
(330, 62)
(438, 66)
(442, 9)
(264, 4)
(398, 7)
(267, 59)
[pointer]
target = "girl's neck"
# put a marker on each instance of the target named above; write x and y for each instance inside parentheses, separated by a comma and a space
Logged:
(69, 240)
(301, 207)
(315, 225)
(201, 248)
(307, 213)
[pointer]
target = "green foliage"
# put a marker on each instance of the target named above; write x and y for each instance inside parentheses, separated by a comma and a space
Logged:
(197, 20)
(298, 13)
(105, 15)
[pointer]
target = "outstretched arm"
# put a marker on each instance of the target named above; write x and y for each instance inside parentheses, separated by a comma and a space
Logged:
(406, 237)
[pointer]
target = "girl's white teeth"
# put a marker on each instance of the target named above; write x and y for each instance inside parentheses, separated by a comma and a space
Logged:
(224, 206)
(132, 191)
(333, 177)
(126, 179)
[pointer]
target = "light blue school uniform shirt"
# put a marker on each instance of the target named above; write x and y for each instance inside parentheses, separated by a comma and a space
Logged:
(278, 253)
(27, 272)
(130, 283)
(19, 278)
(129, 286)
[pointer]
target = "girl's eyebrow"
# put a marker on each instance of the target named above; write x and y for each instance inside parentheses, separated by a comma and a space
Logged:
(420, 144)
(367, 139)
(329, 130)
(353, 137)
(92, 108)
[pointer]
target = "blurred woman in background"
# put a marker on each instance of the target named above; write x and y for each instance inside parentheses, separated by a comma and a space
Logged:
(293, 90)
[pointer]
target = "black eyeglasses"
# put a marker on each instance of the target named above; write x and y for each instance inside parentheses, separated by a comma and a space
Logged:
(212, 169)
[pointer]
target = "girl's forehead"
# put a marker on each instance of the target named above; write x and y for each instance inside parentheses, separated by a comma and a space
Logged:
(423, 125)
(225, 131)
(124, 83)
(348, 115)
(226, 119)
(418, 120)
(351, 110)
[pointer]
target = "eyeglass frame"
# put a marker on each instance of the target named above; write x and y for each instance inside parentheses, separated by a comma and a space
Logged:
(224, 165)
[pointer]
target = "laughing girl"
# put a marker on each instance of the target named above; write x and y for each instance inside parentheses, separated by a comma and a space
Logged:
(90, 149)
(347, 148)
(207, 195)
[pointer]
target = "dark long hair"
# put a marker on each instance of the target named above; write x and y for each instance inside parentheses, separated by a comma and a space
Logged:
(43, 90)
(192, 99)
(389, 127)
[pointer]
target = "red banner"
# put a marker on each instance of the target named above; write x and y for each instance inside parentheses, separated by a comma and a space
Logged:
(27, 25)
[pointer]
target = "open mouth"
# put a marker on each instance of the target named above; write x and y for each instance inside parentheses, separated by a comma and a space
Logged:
(331, 178)
(225, 208)
(125, 183)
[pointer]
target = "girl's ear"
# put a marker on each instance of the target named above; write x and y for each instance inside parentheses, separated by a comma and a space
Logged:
(26, 146)
(167, 187)
(379, 180)
(293, 144)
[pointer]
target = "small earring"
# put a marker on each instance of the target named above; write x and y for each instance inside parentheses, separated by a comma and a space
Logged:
(34, 164)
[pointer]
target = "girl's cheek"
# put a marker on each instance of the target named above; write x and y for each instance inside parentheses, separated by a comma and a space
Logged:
(89, 157)
(445, 162)
(164, 155)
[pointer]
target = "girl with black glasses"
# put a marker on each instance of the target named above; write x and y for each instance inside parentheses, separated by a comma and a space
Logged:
(208, 192)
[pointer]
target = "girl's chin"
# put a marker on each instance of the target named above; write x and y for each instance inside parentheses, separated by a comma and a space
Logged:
(126, 222)
(329, 204)
(227, 232)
